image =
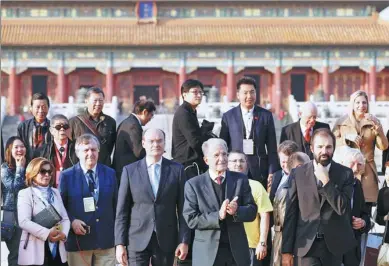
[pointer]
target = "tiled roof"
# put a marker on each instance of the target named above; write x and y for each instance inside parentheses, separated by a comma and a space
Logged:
(190, 32)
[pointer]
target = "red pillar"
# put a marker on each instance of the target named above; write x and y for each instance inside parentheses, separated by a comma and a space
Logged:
(109, 84)
(181, 79)
(230, 83)
(61, 84)
(326, 83)
(277, 88)
(373, 81)
(13, 92)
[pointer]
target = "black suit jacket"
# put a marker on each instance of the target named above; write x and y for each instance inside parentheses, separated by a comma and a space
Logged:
(277, 176)
(385, 155)
(201, 212)
(265, 158)
(128, 147)
(138, 210)
(293, 132)
(307, 207)
(187, 138)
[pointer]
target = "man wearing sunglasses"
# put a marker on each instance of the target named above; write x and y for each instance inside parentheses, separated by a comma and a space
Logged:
(60, 150)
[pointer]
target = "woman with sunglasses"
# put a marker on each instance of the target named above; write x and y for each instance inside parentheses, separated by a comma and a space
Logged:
(60, 150)
(40, 245)
(12, 181)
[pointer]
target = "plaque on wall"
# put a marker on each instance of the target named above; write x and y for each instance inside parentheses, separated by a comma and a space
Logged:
(146, 11)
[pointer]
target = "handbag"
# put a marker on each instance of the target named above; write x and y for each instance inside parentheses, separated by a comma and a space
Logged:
(383, 254)
(8, 224)
(48, 217)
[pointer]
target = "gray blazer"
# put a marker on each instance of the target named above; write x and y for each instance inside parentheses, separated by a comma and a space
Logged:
(201, 212)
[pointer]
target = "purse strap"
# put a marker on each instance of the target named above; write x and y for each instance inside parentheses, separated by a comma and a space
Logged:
(89, 125)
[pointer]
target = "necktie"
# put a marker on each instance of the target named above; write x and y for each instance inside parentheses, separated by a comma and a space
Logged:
(155, 179)
(38, 136)
(61, 150)
(91, 181)
(307, 135)
(219, 180)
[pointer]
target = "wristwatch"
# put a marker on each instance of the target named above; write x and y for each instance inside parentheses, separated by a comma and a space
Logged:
(263, 244)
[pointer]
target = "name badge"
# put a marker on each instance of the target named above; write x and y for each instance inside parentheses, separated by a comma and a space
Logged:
(89, 204)
(248, 146)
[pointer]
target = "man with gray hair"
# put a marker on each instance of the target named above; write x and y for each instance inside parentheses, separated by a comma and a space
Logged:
(89, 192)
(302, 130)
(216, 205)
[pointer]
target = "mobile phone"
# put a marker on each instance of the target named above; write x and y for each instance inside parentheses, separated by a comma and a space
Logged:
(87, 229)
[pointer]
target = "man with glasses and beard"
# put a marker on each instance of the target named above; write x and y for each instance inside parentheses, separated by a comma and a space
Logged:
(317, 228)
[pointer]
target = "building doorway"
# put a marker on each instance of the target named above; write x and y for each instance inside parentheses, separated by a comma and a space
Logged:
(298, 87)
(39, 84)
(148, 92)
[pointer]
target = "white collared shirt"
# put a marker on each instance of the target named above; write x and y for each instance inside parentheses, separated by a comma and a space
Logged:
(137, 118)
(283, 179)
(247, 116)
(84, 170)
(59, 146)
(213, 176)
(304, 128)
(150, 167)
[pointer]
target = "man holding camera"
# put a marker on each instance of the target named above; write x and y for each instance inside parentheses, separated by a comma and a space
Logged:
(89, 192)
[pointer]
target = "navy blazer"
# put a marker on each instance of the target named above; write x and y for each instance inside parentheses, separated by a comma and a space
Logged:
(74, 188)
(265, 158)
(139, 212)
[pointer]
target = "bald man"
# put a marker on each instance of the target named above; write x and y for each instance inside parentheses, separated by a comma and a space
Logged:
(302, 130)
(149, 222)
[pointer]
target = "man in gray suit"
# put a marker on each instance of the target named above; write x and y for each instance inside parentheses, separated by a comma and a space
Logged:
(317, 227)
(216, 205)
(149, 217)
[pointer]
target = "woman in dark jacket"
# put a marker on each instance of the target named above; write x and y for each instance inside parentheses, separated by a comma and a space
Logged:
(383, 203)
(12, 181)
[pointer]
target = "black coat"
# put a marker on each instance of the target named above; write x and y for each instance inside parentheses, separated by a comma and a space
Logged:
(106, 127)
(187, 137)
(383, 209)
(385, 155)
(128, 148)
(293, 132)
(25, 132)
(49, 153)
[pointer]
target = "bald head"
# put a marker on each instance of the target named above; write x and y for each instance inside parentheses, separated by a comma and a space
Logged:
(308, 115)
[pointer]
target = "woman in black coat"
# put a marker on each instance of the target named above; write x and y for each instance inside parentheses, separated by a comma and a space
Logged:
(383, 203)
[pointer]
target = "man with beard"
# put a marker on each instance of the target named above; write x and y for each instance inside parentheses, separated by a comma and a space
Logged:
(94, 121)
(317, 227)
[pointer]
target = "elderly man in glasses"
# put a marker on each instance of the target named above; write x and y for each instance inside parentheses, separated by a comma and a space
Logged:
(60, 150)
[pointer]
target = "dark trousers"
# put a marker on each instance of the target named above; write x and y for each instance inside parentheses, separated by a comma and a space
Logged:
(49, 260)
(13, 247)
(353, 256)
(224, 257)
(319, 255)
(152, 252)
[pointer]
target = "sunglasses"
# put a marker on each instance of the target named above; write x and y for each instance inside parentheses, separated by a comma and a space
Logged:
(64, 126)
(45, 171)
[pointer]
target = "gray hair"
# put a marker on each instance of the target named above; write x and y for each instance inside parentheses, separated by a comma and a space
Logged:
(297, 158)
(345, 154)
(86, 139)
(212, 143)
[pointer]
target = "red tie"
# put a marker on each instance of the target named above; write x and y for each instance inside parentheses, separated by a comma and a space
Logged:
(307, 135)
(219, 180)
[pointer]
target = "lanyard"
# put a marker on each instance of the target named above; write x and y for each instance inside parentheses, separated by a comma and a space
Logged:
(61, 160)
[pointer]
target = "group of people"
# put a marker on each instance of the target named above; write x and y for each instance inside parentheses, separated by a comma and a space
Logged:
(216, 202)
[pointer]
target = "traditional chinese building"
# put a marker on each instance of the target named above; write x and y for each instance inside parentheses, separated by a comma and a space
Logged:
(135, 48)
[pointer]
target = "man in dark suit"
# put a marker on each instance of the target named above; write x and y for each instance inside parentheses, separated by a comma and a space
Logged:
(149, 219)
(317, 227)
(129, 147)
(89, 192)
(385, 156)
(302, 130)
(249, 128)
(216, 205)
(187, 137)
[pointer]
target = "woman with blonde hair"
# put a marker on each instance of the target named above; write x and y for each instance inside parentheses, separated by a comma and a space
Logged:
(40, 245)
(361, 130)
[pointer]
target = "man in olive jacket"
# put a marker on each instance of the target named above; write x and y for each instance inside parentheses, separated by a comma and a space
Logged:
(94, 121)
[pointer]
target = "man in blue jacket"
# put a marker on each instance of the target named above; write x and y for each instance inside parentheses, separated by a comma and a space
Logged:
(89, 192)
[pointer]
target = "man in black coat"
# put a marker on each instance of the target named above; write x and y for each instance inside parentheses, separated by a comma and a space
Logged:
(302, 130)
(128, 148)
(187, 136)
(317, 227)
(94, 121)
(35, 131)
(385, 155)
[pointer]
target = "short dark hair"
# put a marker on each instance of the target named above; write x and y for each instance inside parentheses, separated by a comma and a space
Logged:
(59, 117)
(245, 80)
(288, 147)
(238, 152)
(142, 105)
(40, 96)
(94, 90)
(191, 83)
(323, 132)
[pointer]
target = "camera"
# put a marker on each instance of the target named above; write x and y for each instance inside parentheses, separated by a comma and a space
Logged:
(87, 229)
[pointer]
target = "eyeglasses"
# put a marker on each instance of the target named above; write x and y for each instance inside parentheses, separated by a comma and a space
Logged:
(45, 171)
(64, 126)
